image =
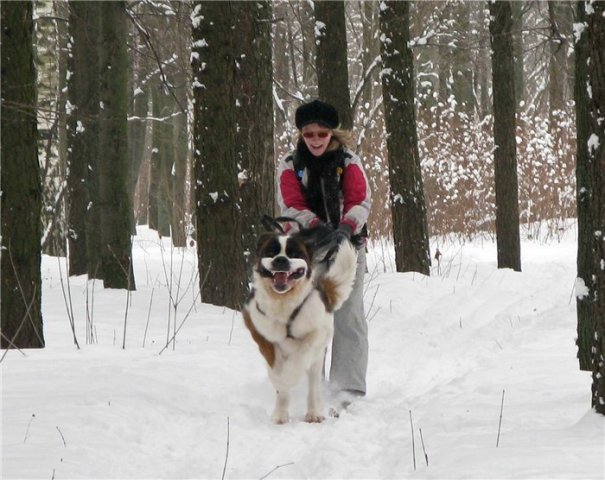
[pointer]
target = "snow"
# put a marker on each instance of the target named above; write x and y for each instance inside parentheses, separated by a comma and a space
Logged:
(593, 143)
(443, 347)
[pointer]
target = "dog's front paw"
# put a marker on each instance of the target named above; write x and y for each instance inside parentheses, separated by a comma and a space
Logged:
(311, 417)
(280, 417)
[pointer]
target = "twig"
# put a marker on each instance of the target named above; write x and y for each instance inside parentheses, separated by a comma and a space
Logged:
(12, 345)
(25, 317)
(232, 324)
(227, 452)
(500, 422)
(28, 306)
(29, 425)
(426, 457)
(62, 437)
(182, 323)
(276, 468)
(68, 304)
(413, 443)
(148, 317)
(126, 314)
(90, 308)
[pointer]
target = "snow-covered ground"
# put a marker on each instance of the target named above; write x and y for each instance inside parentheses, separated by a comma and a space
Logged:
(443, 349)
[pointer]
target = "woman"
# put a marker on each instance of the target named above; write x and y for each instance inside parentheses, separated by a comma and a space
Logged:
(322, 180)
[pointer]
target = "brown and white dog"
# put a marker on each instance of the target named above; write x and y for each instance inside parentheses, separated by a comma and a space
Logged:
(298, 284)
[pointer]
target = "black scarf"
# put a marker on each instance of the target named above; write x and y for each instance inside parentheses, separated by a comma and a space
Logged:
(322, 192)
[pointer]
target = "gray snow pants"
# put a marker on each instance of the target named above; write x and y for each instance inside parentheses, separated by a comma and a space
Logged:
(350, 344)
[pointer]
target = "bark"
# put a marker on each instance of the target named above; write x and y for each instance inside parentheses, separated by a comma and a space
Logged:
(462, 74)
(162, 159)
(505, 156)
(83, 92)
(219, 233)
(518, 49)
(179, 203)
(596, 74)
(21, 196)
(410, 231)
(584, 195)
(254, 136)
(332, 68)
(557, 66)
(137, 128)
(115, 209)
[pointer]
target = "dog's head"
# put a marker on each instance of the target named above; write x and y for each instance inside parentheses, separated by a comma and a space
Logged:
(284, 261)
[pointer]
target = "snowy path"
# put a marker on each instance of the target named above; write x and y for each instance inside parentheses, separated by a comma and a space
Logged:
(444, 347)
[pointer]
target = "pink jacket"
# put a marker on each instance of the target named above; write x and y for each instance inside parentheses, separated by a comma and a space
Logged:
(355, 196)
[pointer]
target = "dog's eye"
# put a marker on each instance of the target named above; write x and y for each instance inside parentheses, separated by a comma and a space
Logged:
(298, 273)
(272, 248)
(295, 252)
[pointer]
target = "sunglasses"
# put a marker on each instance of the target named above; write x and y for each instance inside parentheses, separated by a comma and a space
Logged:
(316, 134)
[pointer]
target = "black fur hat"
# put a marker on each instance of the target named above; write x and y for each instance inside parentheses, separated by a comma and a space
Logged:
(316, 112)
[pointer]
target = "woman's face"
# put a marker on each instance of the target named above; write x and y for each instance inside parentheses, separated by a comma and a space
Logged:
(317, 138)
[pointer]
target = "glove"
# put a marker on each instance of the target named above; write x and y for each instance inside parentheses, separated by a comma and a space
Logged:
(343, 231)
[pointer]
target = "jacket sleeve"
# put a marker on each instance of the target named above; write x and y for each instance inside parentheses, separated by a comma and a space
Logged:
(357, 198)
(290, 198)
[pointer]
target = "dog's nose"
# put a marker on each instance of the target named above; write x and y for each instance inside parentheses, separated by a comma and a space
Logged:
(281, 264)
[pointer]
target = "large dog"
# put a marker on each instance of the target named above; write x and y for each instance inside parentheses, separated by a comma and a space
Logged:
(299, 281)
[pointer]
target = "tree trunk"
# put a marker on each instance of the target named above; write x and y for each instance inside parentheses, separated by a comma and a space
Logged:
(83, 91)
(219, 219)
(557, 65)
(179, 204)
(505, 154)
(484, 69)
(162, 159)
(115, 202)
(410, 231)
(462, 74)
(332, 69)
(584, 194)
(255, 121)
(20, 183)
(596, 75)
(518, 49)
(137, 128)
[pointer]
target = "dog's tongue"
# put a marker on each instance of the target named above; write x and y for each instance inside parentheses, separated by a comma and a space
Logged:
(280, 278)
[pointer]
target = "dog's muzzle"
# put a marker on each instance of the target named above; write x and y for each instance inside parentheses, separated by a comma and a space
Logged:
(283, 272)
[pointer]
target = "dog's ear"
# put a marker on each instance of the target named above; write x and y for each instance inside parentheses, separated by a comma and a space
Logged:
(317, 238)
(271, 224)
(263, 240)
(276, 225)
